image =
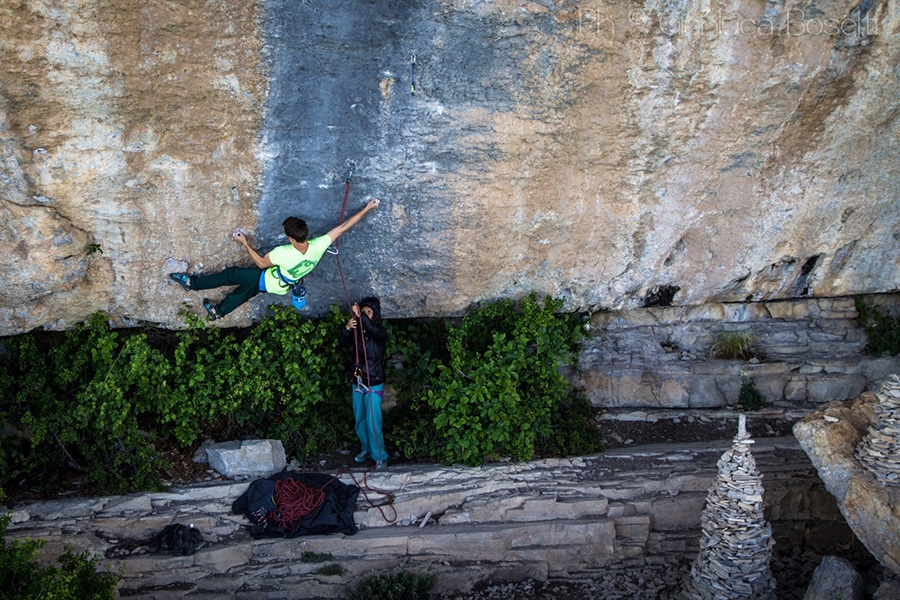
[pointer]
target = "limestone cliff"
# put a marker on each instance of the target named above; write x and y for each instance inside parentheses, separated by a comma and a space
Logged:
(615, 154)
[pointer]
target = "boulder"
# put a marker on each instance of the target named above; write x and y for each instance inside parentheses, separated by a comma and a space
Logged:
(830, 436)
(835, 578)
(249, 458)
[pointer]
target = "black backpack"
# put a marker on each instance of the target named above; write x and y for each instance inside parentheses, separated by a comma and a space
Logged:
(180, 540)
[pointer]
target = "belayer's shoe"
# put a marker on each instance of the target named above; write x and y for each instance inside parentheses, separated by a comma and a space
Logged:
(381, 464)
(183, 279)
(212, 313)
(362, 457)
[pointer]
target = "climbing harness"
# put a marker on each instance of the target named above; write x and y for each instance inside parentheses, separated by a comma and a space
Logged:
(298, 290)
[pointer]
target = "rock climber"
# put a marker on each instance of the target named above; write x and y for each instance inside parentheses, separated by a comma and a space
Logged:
(367, 335)
(276, 272)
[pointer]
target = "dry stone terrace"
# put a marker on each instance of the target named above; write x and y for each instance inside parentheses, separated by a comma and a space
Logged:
(564, 519)
(878, 451)
(811, 351)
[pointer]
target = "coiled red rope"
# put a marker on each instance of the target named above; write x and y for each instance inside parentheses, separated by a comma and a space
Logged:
(295, 500)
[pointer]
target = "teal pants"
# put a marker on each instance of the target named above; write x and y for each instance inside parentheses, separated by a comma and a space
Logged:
(245, 278)
(367, 410)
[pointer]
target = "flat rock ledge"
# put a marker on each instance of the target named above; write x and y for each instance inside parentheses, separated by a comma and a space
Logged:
(565, 518)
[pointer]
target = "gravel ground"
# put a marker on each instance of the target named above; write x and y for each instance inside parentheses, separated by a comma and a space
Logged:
(792, 569)
(660, 582)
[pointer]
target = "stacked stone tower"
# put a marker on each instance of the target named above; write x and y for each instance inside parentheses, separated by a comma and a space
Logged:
(879, 451)
(736, 540)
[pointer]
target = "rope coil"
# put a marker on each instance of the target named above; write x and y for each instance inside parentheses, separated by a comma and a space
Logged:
(294, 500)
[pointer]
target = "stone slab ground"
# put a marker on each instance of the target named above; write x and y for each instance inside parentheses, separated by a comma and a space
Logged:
(561, 523)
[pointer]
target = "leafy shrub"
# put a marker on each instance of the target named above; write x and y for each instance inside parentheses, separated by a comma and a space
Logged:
(394, 586)
(882, 331)
(98, 402)
(77, 402)
(23, 577)
(494, 395)
(732, 345)
(572, 430)
(285, 380)
(415, 348)
(95, 399)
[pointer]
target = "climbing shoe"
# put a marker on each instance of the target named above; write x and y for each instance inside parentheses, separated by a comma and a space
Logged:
(212, 313)
(381, 464)
(362, 457)
(183, 279)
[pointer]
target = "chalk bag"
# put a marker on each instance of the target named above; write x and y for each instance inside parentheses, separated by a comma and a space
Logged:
(298, 296)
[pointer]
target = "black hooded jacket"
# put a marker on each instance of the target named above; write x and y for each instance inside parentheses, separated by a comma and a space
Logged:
(371, 361)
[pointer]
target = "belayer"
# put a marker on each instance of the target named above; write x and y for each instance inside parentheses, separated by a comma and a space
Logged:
(276, 272)
(365, 332)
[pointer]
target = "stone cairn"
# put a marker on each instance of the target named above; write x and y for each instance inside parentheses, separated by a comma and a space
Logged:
(736, 540)
(879, 450)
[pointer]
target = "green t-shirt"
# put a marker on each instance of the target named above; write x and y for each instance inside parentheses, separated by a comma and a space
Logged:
(293, 263)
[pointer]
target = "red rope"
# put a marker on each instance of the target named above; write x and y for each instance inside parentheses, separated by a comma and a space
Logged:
(357, 339)
(337, 258)
(340, 221)
(294, 500)
(365, 488)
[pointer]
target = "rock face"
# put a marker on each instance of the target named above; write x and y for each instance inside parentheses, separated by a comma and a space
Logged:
(830, 437)
(612, 154)
(835, 578)
(736, 540)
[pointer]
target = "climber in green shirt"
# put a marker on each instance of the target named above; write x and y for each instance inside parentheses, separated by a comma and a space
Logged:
(274, 273)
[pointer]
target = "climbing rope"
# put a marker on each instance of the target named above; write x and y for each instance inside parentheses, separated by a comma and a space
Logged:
(294, 500)
(340, 221)
(365, 488)
(358, 336)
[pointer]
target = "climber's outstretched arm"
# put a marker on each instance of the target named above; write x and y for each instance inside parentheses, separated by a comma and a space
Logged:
(344, 227)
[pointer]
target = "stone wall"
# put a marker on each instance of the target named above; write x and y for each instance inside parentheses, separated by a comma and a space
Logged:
(811, 351)
(569, 518)
(613, 154)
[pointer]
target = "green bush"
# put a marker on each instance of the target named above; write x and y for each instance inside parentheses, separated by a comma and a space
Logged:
(882, 331)
(21, 576)
(394, 586)
(79, 403)
(496, 394)
(415, 348)
(98, 402)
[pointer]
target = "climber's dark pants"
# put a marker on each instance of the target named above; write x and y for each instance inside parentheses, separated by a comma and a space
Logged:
(246, 278)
